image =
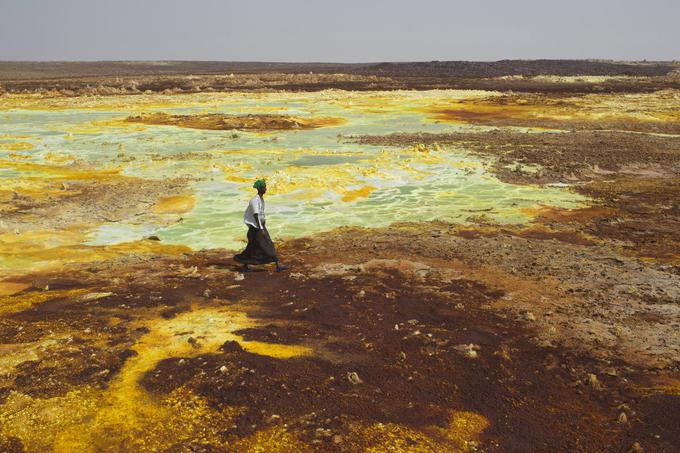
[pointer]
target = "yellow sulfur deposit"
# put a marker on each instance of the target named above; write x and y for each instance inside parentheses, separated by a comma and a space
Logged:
(175, 204)
(463, 429)
(123, 415)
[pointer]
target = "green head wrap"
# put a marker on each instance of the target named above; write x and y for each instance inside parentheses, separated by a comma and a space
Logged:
(260, 184)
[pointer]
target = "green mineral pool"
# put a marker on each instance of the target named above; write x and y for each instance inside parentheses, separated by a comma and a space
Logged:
(317, 178)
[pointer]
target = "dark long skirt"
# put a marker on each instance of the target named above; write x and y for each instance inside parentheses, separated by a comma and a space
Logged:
(260, 248)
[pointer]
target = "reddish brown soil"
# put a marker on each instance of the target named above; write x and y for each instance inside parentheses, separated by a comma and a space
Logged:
(340, 300)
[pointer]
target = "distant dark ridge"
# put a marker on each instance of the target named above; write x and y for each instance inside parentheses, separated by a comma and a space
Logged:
(35, 70)
(471, 69)
(16, 70)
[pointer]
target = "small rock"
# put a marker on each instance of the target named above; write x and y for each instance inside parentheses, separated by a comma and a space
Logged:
(94, 296)
(623, 419)
(636, 448)
(503, 353)
(593, 381)
(274, 418)
(231, 346)
(354, 378)
(223, 369)
(153, 238)
(611, 372)
(206, 293)
(468, 350)
(193, 342)
(239, 276)
(544, 343)
(529, 316)
(338, 439)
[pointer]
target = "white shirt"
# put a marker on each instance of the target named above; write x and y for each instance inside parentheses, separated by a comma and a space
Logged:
(255, 206)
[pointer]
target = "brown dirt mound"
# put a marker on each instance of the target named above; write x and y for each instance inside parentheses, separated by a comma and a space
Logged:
(220, 122)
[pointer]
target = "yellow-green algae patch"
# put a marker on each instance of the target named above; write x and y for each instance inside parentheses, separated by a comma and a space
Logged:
(39, 171)
(53, 249)
(50, 206)
(16, 146)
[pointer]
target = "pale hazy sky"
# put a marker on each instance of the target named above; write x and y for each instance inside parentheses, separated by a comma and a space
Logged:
(338, 30)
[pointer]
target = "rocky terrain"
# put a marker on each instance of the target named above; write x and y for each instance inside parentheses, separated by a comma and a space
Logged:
(419, 337)
(540, 76)
(561, 333)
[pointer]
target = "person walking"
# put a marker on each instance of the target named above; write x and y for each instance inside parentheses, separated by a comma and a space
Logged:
(260, 248)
